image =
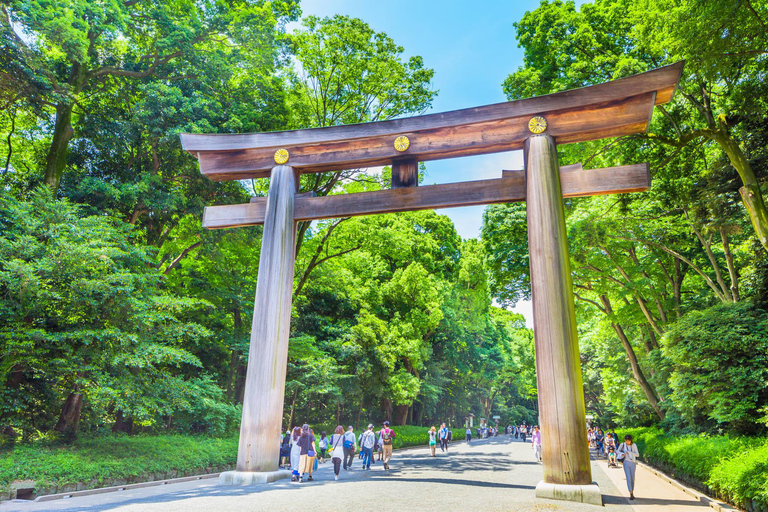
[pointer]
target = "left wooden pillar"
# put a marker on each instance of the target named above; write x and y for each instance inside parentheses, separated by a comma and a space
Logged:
(259, 448)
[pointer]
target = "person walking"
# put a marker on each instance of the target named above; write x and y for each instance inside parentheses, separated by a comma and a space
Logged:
(536, 442)
(469, 434)
(337, 450)
(432, 440)
(523, 432)
(350, 447)
(628, 454)
(379, 447)
(367, 442)
(443, 436)
(307, 453)
(295, 453)
(387, 438)
(323, 443)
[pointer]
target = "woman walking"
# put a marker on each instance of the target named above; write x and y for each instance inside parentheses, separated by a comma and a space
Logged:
(337, 450)
(307, 452)
(323, 446)
(432, 440)
(367, 442)
(628, 454)
(295, 453)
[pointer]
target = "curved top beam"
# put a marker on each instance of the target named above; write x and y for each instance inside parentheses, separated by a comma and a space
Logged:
(619, 107)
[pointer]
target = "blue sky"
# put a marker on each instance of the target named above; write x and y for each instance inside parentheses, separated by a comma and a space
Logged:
(472, 48)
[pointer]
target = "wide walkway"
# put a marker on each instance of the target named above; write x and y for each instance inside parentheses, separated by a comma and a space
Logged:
(487, 475)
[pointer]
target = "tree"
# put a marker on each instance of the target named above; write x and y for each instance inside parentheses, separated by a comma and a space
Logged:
(720, 369)
(723, 44)
(63, 54)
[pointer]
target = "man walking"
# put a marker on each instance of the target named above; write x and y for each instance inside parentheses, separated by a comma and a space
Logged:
(443, 436)
(387, 436)
(350, 447)
(367, 440)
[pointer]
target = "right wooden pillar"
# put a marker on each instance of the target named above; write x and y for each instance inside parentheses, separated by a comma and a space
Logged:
(565, 453)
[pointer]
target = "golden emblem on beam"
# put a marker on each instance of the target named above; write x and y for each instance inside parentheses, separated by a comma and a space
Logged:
(537, 124)
(402, 143)
(281, 156)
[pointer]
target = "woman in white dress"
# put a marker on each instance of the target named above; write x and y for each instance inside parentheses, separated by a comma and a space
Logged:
(295, 453)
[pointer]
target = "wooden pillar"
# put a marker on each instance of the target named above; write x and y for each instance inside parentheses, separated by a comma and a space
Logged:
(565, 454)
(405, 173)
(268, 356)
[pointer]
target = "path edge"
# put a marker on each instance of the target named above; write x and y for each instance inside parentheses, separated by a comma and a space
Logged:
(703, 498)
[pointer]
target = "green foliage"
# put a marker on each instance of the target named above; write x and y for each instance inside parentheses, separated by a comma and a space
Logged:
(720, 368)
(100, 461)
(730, 467)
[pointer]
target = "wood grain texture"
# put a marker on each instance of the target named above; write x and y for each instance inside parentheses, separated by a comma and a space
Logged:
(575, 183)
(258, 449)
(612, 118)
(662, 80)
(405, 173)
(565, 454)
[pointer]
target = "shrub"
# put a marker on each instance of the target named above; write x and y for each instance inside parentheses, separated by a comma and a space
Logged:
(733, 468)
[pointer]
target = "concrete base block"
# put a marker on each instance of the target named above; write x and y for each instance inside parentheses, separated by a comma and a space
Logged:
(252, 477)
(579, 493)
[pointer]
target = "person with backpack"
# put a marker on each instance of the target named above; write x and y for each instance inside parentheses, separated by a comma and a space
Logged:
(350, 447)
(323, 443)
(443, 436)
(628, 454)
(307, 453)
(285, 449)
(387, 437)
(367, 442)
(337, 450)
(432, 433)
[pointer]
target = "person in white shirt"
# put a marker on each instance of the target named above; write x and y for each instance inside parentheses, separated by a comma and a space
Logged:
(443, 436)
(628, 454)
(469, 434)
(337, 449)
(367, 441)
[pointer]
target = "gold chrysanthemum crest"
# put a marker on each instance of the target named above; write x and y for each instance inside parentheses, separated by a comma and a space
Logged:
(281, 156)
(537, 124)
(402, 143)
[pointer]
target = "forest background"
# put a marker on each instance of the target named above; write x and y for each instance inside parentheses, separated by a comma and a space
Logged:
(119, 313)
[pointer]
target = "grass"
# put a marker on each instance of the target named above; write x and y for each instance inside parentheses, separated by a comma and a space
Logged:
(734, 469)
(120, 459)
(104, 461)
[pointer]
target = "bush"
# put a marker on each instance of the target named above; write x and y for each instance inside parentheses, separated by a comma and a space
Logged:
(101, 461)
(720, 366)
(733, 468)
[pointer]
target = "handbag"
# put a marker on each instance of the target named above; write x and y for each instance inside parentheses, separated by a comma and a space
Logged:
(314, 468)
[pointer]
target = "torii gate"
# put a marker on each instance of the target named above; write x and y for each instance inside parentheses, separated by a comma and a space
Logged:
(612, 109)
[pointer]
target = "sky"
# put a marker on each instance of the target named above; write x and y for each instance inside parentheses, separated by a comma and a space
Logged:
(472, 48)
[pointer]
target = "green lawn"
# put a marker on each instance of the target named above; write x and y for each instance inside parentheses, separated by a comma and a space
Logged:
(118, 459)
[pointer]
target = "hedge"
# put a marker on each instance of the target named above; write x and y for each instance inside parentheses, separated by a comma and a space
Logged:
(121, 459)
(733, 469)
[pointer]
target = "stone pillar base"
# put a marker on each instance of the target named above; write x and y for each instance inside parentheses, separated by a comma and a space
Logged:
(580, 493)
(252, 477)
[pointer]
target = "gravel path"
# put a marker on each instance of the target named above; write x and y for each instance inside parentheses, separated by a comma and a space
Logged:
(488, 475)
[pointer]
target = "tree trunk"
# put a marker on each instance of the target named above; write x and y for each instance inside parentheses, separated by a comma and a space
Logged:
(637, 372)
(401, 414)
(234, 358)
(751, 195)
(69, 420)
(731, 268)
(359, 413)
(63, 132)
(293, 407)
(122, 424)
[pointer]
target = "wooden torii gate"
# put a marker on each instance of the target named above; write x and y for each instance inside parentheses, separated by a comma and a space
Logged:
(536, 125)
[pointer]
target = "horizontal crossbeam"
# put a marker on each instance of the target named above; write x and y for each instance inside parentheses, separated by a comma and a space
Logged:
(511, 187)
(612, 109)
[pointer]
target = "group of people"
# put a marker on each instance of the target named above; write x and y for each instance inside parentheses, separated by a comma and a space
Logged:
(607, 443)
(302, 451)
(442, 436)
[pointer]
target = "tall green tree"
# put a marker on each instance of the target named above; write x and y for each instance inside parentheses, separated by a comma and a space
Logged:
(58, 55)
